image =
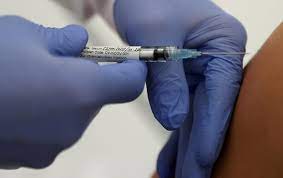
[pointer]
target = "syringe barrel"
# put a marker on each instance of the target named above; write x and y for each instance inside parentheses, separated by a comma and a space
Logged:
(111, 53)
(118, 54)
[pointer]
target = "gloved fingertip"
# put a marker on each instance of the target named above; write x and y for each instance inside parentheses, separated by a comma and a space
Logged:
(40, 164)
(139, 64)
(136, 72)
(123, 82)
(40, 156)
(76, 38)
(169, 100)
(177, 120)
(173, 122)
(67, 41)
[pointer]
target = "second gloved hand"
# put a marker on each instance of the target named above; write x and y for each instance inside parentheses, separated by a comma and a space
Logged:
(47, 96)
(195, 96)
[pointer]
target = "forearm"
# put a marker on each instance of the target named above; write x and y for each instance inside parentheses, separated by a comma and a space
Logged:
(254, 145)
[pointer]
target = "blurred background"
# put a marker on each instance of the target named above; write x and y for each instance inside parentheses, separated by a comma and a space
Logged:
(124, 140)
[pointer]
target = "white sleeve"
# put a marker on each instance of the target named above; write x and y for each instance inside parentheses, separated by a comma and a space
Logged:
(86, 8)
(106, 11)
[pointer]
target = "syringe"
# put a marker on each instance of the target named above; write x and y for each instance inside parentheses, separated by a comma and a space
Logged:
(147, 54)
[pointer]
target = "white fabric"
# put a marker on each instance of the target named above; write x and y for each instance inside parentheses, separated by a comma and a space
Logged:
(87, 8)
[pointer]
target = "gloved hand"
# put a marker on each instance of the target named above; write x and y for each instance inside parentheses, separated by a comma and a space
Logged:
(195, 96)
(48, 97)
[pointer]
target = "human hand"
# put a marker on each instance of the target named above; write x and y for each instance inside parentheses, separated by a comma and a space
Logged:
(195, 96)
(48, 97)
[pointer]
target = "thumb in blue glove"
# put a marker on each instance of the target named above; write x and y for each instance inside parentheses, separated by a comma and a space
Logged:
(48, 94)
(195, 96)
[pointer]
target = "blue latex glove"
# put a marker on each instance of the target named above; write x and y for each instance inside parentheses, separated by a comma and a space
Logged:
(48, 97)
(195, 96)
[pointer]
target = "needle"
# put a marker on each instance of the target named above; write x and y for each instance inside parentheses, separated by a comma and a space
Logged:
(224, 53)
